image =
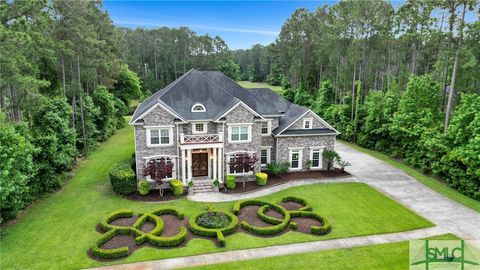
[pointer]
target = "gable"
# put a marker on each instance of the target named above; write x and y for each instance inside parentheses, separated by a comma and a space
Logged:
(158, 116)
(309, 115)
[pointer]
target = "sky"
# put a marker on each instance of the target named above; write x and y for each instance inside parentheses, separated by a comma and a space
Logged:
(240, 23)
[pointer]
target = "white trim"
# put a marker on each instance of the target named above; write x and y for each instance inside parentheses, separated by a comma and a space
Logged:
(317, 117)
(155, 106)
(293, 122)
(302, 135)
(300, 158)
(239, 152)
(198, 104)
(244, 105)
(310, 120)
(201, 146)
(269, 128)
(269, 155)
(295, 148)
(159, 128)
(320, 159)
(194, 128)
(239, 124)
(159, 156)
(249, 133)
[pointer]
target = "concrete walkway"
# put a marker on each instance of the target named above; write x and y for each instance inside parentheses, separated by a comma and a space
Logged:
(265, 252)
(222, 197)
(444, 212)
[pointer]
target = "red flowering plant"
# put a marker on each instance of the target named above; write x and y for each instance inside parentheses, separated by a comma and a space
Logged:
(243, 163)
(158, 169)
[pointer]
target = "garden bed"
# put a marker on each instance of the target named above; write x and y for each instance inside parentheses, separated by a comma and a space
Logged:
(274, 180)
(154, 196)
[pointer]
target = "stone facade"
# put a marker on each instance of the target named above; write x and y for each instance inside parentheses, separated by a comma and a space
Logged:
(299, 123)
(305, 143)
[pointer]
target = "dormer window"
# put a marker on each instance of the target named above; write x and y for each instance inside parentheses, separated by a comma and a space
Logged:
(307, 123)
(198, 108)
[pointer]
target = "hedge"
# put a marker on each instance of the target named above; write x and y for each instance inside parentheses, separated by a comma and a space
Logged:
(143, 187)
(231, 182)
(306, 206)
(108, 253)
(293, 225)
(264, 206)
(168, 241)
(320, 230)
(261, 213)
(177, 187)
(261, 178)
(122, 178)
(122, 213)
(199, 230)
(221, 239)
(239, 204)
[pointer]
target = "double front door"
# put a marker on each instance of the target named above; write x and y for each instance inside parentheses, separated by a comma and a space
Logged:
(199, 164)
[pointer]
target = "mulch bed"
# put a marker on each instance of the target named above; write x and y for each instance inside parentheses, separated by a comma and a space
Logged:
(172, 227)
(274, 180)
(154, 196)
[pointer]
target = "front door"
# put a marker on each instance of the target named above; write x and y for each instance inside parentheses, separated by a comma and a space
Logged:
(200, 164)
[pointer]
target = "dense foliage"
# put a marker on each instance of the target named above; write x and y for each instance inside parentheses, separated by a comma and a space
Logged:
(213, 220)
(122, 178)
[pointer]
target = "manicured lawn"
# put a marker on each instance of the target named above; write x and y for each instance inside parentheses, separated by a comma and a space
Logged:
(385, 256)
(429, 181)
(58, 231)
(249, 84)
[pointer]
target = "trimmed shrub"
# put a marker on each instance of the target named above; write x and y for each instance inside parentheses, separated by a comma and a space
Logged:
(177, 187)
(122, 213)
(293, 225)
(213, 220)
(239, 204)
(199, 230)
(306, 206)
(168, 241)
(231, 182)
(221, 239)
(169, 211)
(261, 178)
(107, 253)
(143, 187)
(320, 230)
(264, 206)
(261, 213)
(122, 178)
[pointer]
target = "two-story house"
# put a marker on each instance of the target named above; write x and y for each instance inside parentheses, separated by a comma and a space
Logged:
(203, 119)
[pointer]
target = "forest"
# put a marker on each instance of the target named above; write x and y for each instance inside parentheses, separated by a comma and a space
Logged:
(404, 81)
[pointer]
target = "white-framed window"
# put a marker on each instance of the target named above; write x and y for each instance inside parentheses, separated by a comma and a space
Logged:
(308, 123)
(266, 127)
(198, 108)
(159, 136)
(295, 159)
(316, 157)
(265, 156)
(240, 133)
(199, 128)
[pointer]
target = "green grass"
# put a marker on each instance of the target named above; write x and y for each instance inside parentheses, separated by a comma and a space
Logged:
(249, 84)
(56, 233)
(384, 256)
(429, 181)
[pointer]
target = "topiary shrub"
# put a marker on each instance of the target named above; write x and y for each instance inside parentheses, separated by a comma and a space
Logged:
(305, 207)
(143, 187)
(231, 182)
(320, 230)
(219, 233)
(122, 178)
(261, 178)
(293, 225)
(177, 187)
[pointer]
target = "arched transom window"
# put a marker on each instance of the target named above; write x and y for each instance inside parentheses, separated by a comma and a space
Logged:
(198, 108)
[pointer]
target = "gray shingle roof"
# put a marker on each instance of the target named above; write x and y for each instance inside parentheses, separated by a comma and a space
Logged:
(218, 93)
(313, 131)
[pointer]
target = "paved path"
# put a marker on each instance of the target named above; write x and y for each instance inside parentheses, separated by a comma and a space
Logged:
(222, 197)
(265, 252)
(444, 212)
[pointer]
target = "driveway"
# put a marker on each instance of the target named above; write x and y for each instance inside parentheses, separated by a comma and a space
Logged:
(444, 212)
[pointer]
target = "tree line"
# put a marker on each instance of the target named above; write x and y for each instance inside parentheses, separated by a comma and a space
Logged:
(404, 81)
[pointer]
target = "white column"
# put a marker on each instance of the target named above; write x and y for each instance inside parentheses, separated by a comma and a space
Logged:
(214, 161)
(184, 173)
(189, 164)
(220, 162)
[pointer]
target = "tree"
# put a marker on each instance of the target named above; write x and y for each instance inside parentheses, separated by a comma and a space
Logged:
(330, 156)
(105, 120)
(158, 169)
(127, 86)
(244, 162)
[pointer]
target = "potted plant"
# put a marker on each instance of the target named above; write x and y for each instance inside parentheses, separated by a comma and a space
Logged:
(190, 187)
(216, 184)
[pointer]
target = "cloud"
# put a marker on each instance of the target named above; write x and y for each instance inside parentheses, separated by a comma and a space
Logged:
(138, 23)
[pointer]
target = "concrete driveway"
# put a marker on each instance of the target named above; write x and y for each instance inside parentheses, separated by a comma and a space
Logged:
(444, 212)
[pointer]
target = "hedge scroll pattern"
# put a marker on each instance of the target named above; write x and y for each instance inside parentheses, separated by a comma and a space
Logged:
(209, 232)
(141, 237)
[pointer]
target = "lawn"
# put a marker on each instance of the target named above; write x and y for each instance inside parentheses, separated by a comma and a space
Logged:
(249, 84)
(57, 232)
(429, 181)
(385, 256)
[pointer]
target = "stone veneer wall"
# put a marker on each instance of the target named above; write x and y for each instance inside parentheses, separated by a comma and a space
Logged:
(237, 116)
(299, 123)
(270, 140)
(157, 117)
(284, 143)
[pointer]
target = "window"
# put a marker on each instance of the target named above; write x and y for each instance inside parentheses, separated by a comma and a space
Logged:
(161, 136)
(232, 169)
(199, 128)
(307, 123)
(168, 160)
(198, 108)
(240, 133)
(266, 128)
(265, 156)
(316, 157)
(296, 159)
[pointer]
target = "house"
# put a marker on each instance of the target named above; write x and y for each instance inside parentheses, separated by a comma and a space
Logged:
(202, 120)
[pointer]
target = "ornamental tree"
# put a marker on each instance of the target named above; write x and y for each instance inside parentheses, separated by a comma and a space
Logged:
(244, 162)
(158, 169)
